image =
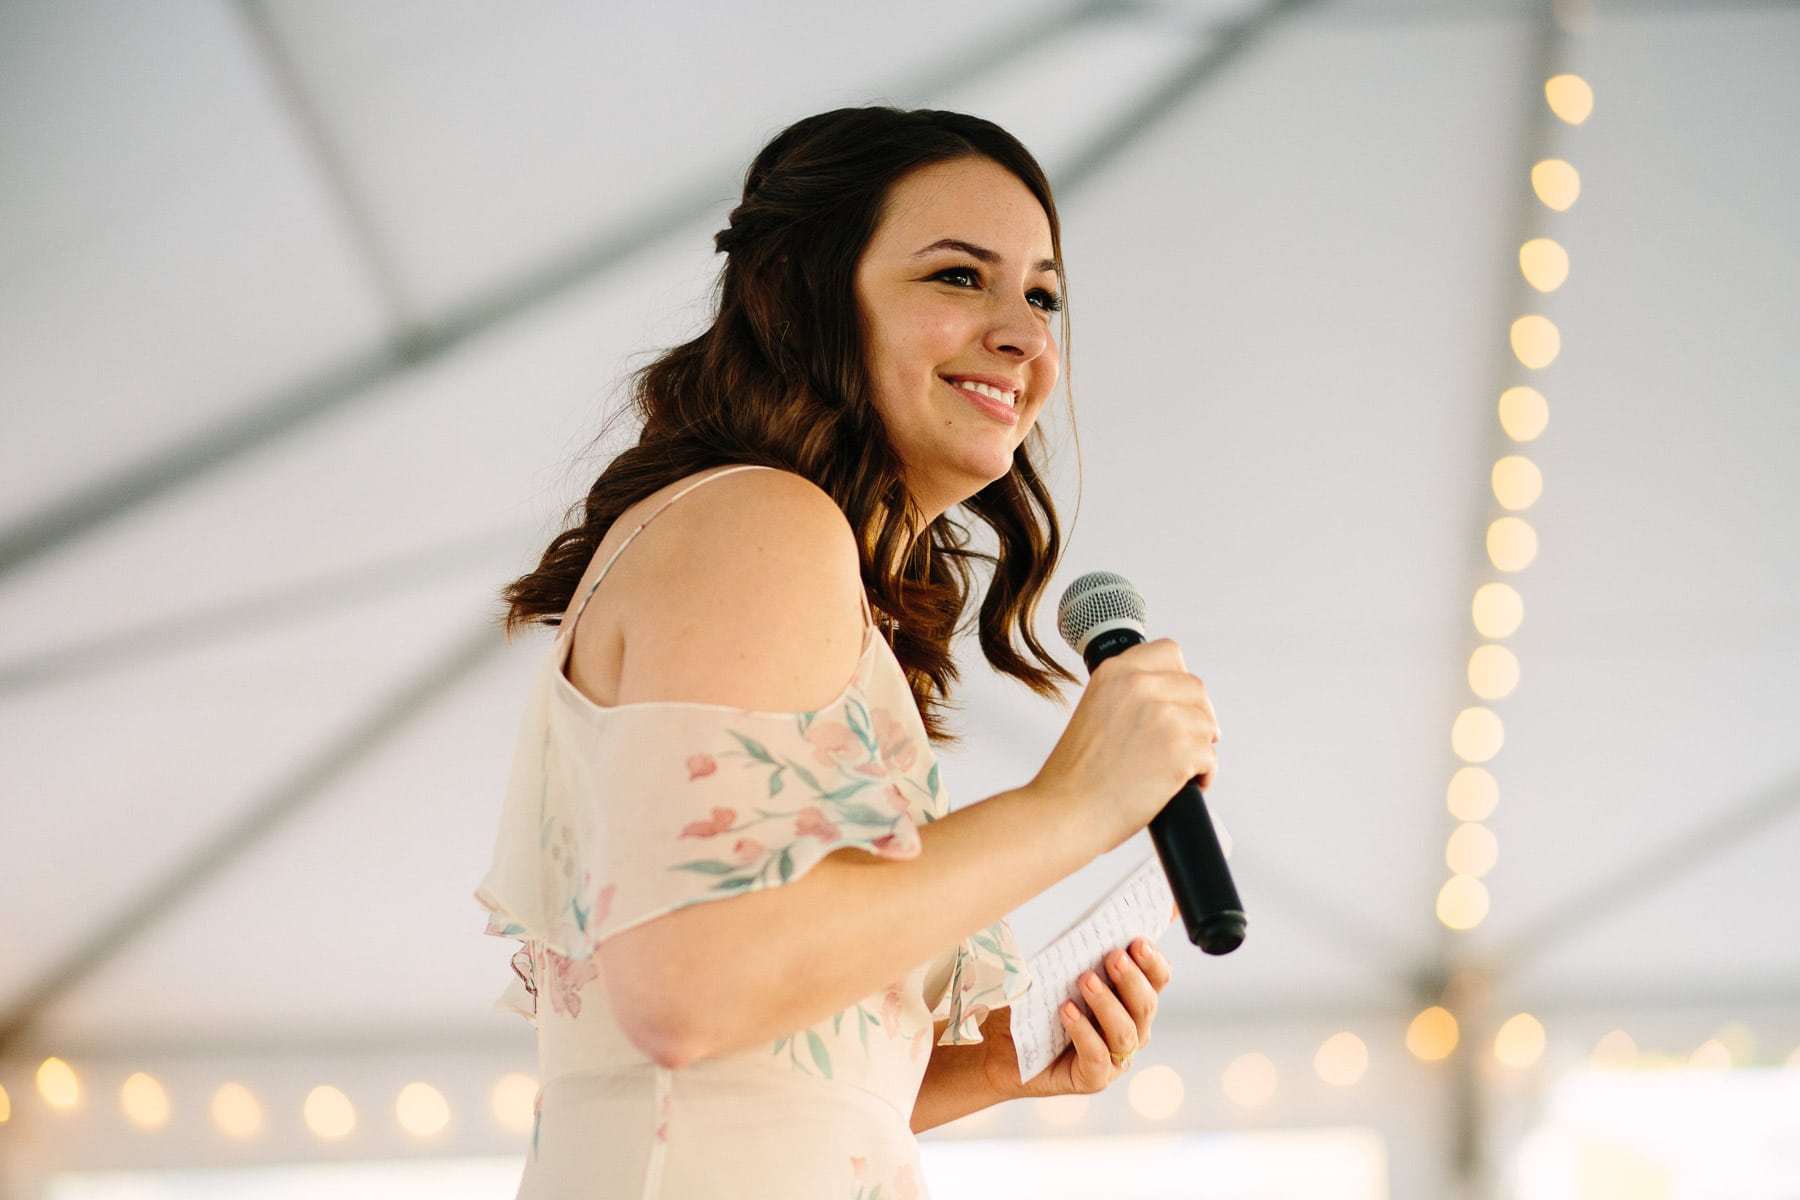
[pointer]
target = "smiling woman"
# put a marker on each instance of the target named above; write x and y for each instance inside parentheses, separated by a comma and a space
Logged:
(760, 949)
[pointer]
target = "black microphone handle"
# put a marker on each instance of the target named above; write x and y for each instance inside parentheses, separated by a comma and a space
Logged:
(1187, 844)
(1195, 864)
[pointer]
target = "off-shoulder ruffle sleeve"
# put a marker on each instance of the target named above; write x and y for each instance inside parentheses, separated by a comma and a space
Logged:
(616, 816)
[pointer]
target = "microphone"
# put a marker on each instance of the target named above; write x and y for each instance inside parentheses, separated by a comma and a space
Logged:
(1101, 615)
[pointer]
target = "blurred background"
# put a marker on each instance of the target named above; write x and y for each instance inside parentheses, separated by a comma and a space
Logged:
(1437, 374)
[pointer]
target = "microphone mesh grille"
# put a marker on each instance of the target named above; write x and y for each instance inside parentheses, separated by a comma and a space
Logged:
(1098, 598)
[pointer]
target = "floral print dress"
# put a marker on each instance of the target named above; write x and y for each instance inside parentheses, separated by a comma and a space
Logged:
(617, 815)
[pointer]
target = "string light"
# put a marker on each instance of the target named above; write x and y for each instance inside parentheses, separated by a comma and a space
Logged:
(1520, 1042)
(1462, 903)
(1556, 183)
(1432, 1035)
(1250, 1081)
(1342, 1059)
(1498, 610)
(1063, 1112)
(1493, 672)
(1511, 544)
(1156, 1092)
(1477, 734)
(1523, 413)
(1710, 1055)
(1473, 850)
(1569, 97)
(421, 1110)
(1517, 482)
(145, 1102)
(1615, 1052)
(5, 1107)
(1473, 794)
(1535, 341)
(57, 1083)
(236, 1111)
(329, 1113)
(1544, 263)
(513, 1101)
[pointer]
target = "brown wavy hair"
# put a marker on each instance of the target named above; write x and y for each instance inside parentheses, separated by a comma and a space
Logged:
(779, 379)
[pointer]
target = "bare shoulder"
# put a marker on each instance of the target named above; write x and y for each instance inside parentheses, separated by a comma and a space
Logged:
(747, 592)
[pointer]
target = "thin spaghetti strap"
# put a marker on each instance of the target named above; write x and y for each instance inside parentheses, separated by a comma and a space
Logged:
(632, 536)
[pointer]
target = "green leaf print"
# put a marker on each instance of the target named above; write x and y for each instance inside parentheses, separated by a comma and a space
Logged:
(858, 721)
(706, 866)
(752, 747)
(862, 814)
(806, 776)
(734, 885)
(931, 781)
(845, 792)
(776, 782)
(987, 943)
(787, 864)
(820, 1055)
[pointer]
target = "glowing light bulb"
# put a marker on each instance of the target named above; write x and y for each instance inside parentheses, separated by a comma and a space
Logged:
(1556, 183)
(1710, 1055)
(57, 1083)
(1432, 1035)
(1063, 1112)
(236, 1111)
(1473, 850)
(1615, 1052)
(1523, 413)
(1498, 609)
(5, 1107)
(1569, 97)
(1544, 263)
(1156, 1092)
(1462, 903)
(1511, 544)
(1250, 1081)
(1535, 341)
(1473, 794)
(1477, 734)
(421, 1110)
(1520, 1042)
(1342, 1059)
(145, 1102)
(1493, 671)
(328, 1112)
(1517, 482)
(513, 1101)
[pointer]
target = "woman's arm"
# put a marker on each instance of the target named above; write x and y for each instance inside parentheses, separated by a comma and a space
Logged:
(748, 594)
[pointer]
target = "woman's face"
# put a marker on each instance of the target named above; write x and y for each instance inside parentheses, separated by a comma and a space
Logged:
(959, 292)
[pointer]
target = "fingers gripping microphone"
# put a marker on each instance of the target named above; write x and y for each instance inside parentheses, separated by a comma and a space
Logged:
(1101, 615)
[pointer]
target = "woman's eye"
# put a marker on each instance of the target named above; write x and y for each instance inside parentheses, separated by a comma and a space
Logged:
(1048, 301)
(963, 277)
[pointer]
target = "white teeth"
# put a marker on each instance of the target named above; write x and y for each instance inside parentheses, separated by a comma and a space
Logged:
(1004, 395)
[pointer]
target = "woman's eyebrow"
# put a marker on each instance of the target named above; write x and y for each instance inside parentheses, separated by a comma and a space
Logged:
(981, 254)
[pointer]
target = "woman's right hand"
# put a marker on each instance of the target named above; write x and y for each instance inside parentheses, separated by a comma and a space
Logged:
(1141, 730)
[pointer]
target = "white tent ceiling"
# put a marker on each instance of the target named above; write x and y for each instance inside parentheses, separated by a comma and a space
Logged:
(308, 312)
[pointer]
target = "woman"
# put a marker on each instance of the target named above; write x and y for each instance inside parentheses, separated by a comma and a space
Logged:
(884, 344)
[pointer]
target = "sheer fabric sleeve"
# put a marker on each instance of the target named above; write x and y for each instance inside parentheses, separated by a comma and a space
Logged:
(616, 816)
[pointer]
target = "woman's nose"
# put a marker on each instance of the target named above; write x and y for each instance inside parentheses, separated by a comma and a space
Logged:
(1018, 330)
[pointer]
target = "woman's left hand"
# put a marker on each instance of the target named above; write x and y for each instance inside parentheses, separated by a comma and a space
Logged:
(1122, 998)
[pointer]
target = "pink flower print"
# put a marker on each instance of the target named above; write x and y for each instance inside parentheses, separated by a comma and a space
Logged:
(833, 743)
(747, 850)
(699, 766)
(602, 904)
(903, 843)
(859, 1167)
(895, 740)
(890, 1013)
(891, 797)
(905, 1186)
(721, 821)
(567, 975)
(662, 1118)
(810, 822)
(920, 1040)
